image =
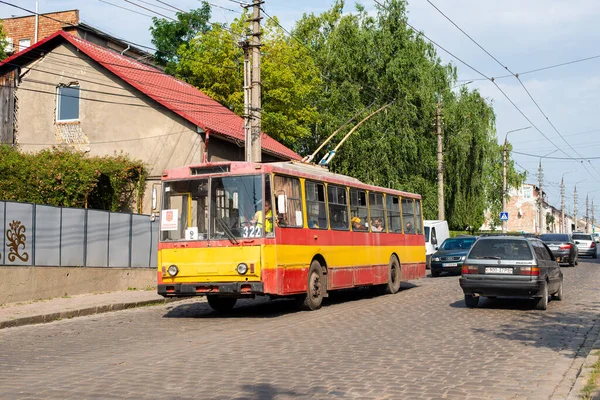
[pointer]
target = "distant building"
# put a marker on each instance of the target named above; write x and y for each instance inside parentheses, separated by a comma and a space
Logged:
(21, 33)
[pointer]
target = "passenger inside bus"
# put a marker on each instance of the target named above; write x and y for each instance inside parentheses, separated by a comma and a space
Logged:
(258, 219)
(409, 228)
(377, 226)
(357, 224)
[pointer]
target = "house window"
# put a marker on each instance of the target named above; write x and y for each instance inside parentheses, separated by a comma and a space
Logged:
(24, 43)
(527, 192)
(67, 107)
(9, 48)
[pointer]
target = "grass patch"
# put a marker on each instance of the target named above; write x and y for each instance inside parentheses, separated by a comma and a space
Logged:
(592, 385)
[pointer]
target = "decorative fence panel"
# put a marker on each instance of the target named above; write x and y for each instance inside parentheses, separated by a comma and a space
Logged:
(42, 235)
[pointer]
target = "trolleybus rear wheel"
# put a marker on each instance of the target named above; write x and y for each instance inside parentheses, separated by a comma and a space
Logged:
(221, 304)
(394, 274)
(316, 288)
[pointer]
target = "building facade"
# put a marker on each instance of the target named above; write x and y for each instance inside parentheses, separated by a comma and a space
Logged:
(66, 91)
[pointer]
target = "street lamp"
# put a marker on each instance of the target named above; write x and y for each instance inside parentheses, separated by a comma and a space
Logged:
(575, 205)
(504, 175)
(562, 201)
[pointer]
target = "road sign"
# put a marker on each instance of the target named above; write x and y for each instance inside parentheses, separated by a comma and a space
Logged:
(504, 216)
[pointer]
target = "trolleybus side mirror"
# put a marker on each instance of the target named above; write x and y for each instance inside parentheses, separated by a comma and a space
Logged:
(154, 198)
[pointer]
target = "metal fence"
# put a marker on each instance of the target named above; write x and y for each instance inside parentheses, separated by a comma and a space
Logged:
(60, 236)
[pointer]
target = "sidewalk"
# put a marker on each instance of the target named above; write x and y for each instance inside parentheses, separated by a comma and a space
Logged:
(36, 312)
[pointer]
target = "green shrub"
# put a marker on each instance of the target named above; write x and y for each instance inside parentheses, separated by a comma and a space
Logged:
(61, 177)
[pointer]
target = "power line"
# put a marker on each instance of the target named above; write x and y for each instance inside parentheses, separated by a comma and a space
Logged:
(125, 8)
(148, 9)
(154, 5)
(169, 5)
(538, 69)
(556, 158)
(522, 84)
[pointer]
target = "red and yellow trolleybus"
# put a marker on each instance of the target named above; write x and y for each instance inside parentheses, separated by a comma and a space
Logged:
(231, 230)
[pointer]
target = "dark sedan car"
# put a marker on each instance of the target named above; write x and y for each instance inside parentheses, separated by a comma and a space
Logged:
(450, 255)
(563, 248)
(511, 267)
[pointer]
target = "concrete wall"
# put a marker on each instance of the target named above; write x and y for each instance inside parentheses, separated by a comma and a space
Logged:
(20, 284)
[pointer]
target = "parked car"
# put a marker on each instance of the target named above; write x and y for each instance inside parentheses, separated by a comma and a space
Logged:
(511, 267)
(450, 255)
(586, 245)
(436, 231)
(563, 248)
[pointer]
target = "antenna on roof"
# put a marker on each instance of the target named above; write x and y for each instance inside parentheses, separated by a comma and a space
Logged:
(329, 156)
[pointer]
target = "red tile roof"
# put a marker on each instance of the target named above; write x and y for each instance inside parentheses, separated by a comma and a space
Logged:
(178, 96)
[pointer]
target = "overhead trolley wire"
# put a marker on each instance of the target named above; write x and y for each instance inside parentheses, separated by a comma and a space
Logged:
(524, 87)
(125, 8)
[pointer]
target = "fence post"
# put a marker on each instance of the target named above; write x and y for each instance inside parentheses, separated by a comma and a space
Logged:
(108, 242)
(34, 231)
(60, 236)
(130, 239)
(85, 238)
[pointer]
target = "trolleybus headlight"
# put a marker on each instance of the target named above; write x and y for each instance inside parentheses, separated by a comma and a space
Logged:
(173, 270)
(242, 268)
(435, 259)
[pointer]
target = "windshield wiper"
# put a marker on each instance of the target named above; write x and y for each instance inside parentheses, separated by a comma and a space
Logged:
(226, 230)
(488, 258)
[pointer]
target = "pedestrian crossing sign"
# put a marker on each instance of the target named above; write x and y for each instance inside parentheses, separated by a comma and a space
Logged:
(504, 216)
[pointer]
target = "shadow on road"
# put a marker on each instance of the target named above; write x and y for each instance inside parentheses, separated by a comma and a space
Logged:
(263, 307)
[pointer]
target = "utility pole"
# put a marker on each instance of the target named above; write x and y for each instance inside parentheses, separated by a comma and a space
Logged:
(562, 205)
(587, 214)
(541, 222)
(593, 219)
(440, 160)
(245, 45)
(256, 145)
(575, 207)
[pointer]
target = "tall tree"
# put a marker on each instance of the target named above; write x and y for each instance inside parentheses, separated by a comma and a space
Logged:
(213, 62)
(168, 35)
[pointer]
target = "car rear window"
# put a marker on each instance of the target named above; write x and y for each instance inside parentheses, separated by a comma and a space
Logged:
(457, 244)
(503, 249)
(554, 238)
(582, 237)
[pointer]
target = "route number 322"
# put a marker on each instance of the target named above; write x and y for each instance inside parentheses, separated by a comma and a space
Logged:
(252, 231)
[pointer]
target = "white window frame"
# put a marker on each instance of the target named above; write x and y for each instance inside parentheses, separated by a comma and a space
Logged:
(21, 48)
(58, 104)
(527, 192)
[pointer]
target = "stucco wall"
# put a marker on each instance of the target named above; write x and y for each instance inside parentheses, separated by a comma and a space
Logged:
(35, 283)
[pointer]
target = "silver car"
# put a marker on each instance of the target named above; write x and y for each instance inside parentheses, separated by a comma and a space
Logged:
(586, 244)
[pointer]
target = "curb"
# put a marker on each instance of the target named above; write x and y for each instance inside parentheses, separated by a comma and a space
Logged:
(584, 372)
(45, 318)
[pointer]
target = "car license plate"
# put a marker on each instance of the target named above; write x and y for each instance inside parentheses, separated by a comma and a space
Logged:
(450, 265)
(553, 247)
(494, 270)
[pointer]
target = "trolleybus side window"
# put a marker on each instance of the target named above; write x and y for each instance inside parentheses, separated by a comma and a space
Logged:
(338, 207)
(418, 217)
(237, 207)
(377, 211)
(393, 214)
(185, 212)
(358, 210)
(316, 209)
(408, 216)
(288, 197)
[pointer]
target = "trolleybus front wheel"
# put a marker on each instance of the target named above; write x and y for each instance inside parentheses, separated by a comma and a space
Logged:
(316, 288)
(221, 304)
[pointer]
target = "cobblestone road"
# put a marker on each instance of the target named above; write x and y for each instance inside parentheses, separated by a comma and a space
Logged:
(419, 344)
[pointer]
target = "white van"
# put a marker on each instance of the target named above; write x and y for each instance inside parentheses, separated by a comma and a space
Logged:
(436, 232)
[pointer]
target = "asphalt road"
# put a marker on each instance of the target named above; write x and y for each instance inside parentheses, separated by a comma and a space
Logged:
(421, 343)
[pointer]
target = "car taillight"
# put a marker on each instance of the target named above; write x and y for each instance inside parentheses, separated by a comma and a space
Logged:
(535, 271)
(469, 269)
(564, 246)
(592, 245)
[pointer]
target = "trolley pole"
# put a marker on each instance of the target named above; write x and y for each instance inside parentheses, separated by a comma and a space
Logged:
(440, 160)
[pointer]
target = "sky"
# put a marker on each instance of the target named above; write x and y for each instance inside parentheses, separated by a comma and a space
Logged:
(521, 35)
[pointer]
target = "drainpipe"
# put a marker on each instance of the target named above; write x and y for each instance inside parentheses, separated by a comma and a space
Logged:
(37, 19)
(127, 48)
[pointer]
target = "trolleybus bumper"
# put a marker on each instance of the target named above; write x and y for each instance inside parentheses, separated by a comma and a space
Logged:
(202, 289)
